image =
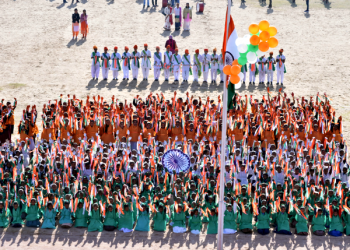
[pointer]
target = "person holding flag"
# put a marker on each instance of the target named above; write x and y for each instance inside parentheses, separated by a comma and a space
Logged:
(66, 215)
(115, 65)
(270, 61)
(176, 62)
(110, 221)
(95, 65)
(126, 57)
(186, 66)
(95, 218)
(197, 66)
(214, 66)
(49, 217)
(105, 63)
(301, 218)
(146, 65)
(135, 63)
(158, 63)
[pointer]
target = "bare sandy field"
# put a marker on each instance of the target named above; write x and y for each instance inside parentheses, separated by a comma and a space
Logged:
(40, 61)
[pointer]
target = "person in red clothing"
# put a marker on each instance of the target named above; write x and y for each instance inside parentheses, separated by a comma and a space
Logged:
(172, 43)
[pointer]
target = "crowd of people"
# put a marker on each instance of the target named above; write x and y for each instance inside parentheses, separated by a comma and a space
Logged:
(97, 164)
(171, 62)
(179, 14)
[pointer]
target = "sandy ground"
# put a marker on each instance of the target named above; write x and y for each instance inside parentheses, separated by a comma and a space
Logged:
(40, 62)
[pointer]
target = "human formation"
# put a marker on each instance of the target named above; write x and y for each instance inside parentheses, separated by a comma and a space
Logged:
(97, 164)
(173, 63)
(182, 17)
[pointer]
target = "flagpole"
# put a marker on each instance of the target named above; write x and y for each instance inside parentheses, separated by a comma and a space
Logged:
(220, 241)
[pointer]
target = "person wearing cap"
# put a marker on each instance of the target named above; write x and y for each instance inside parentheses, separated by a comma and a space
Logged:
(214, 66)
(221, 67)
(146, 65)
(167, 62)
(126, 218)
(281, 68)
(115, 65)
(253, 71)
(270, 68)
(187, 16)
(263, 223)
(282, 221)
(75, 20)
(16, 215)
(168, 12)
(66, 215)
(176, 62)
(197, 66)
(213, 221)
(158, 63)
(262, 69)
(336, 227)
(95, 218)
(178, 219)
(95, 65)
(107, 132)
(49, 221)
(5, 215)
(195, 222)
(319, 222)
(81, 215)
(33, 214)
(186, 66)
(135, 63)
(231, 216)
(92, 130)
(301, 227)
(206, 65)
(110, 222)
(126, 57)
(143, 217)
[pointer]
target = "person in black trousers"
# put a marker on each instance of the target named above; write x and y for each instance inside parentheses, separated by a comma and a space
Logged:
(75, 19)
(154, 3)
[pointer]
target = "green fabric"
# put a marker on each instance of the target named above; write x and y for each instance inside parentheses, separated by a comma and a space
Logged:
(188, 63)
(16, 216)
(230, 219)
(126, 220)
(33, 213)
(66, 216)
(213, 224)
(273, 65)
(118, 63)
(346, 218)
(49, 219)
(244, 68)
(263, 221)
(179, 219)
(136, 60)
(199, 65)
(81, 217)
(111, 218)
(301, 225)
(98, 59)
(160, 221)
(95, 221)
(335, 223)
(144, 52)
(4, 217)
(230, 94)
(142, 221)
(195, 223)
(158, 56)
(125, 55)
(103, 61)
(319, 223)
(282, 221)
(246, 220)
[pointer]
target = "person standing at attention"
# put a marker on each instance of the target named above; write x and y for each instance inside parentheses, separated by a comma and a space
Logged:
(270, 68)
(95, 65)
(126, 63)
(172, 43)
(158, 64)
(135, 63)
(167, 62)
(177, 11)
(168, 12)
(146, 62)
(115, 65)
(105, 63)
(75, 23)
(214, 66)
(281, 69)
(176, 62)
(84, 25)
(186, 66)
(187, 17)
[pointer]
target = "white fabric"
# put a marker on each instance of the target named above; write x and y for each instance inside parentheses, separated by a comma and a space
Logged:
(229, 231)
(157, 61)
(176, 65)
(206, 59)
(95, 70)
(195, 232)
(105, 72)
(214, 74)
(167, 12)
(179, 230)
(185, 72)
(115, 56)
(93, 59)
(156, 73)
(125, 68)
(187, 25)
(126, 230)
(145, 61)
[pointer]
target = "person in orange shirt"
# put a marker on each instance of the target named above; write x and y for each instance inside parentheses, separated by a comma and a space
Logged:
(11, 117)
(253, 140)
(316, 133)
(107, 132)
(92, 130)
(191, 133)
(121, 130)
(301, 133)
(177, 132)
(149, 131)
(268, 137)
(78, 129)
(284, 133)
(163, 133)
(135, 131)
(48, 132)
(238, 132)
(66, 129)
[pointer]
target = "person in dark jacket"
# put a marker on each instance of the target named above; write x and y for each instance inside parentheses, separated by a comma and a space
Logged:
(75, 23)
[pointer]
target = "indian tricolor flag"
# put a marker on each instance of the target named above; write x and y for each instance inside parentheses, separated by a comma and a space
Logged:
(230, 53)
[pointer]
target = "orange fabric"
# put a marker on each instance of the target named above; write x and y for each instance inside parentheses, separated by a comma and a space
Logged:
(46, 132)
(251, 139)
(238, 134)
(122, 132)
(33, 130)
(148, 131)
(91, 131)
(134, 133)
(177, 132)
(162, 135)
(269, 137)
(191, 135)
(84, 28)
(109, 136)
(78, 134)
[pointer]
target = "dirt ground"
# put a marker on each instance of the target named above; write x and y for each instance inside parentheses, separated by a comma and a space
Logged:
(41, 61)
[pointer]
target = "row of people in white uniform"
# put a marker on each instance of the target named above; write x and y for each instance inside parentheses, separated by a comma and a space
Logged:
(197, 65)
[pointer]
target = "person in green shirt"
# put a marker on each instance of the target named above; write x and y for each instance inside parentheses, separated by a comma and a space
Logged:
(66, 216)
(17, 220)
(34, 214)
(110, 221)
(126, 219)
(49, 217)
(319, 223)
(246, 219)
(195, 222)
(282, 222)
(263, 223)
(178, 220)
(81, 216)
(346, 218)
(143, 218)
(160, 219)
(213, 222)
(336, 228)
(230, 219)
(301, 227)
(95, 219)
(5, 214)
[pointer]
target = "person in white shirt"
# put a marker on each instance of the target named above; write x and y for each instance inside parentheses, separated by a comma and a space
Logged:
(167, 63)
(244, 70)
(252, 73)
(105, 63)
(158, 64)
(206, 65)
(186, 66)
(214, 66)
(177, 12)
(280, 60)
(262, 69)
(146, 62)
(168, 12)
(115, 64)
(221, 67)
(270, 67)
(135, 63)
(279, 175)
(95, 65)
(197, 65)
(126, 63)
(176, 62)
